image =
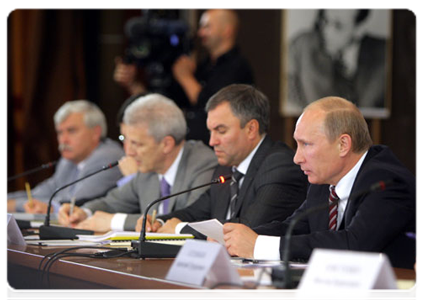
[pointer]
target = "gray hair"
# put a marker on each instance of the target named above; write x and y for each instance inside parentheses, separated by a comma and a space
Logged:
(246, 102)
(93, 116)
(160, 114)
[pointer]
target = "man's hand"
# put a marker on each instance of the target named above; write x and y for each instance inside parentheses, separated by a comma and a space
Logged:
(148, 227)
(99, 222)
(11, 205)
(36, 207)
(127, 165)
(239, 240)
(169, 226)
(183, 67)
(77, 216)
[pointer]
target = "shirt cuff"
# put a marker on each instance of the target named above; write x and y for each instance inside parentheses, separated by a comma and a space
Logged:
(267, 247)
(179, 227)
(88, 212)
(118, 222)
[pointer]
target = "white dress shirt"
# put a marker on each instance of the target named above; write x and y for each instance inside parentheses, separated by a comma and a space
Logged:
(267, 247)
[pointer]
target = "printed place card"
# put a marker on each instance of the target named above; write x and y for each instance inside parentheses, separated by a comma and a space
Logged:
(203, 263)
(332, 270)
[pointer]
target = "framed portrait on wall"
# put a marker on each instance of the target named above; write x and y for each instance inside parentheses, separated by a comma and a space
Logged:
(345, 53)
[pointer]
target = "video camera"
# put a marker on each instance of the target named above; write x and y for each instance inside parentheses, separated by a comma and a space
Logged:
(154, 44)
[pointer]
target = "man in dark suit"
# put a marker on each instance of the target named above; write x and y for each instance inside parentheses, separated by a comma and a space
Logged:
(271, 186)
(336, 153)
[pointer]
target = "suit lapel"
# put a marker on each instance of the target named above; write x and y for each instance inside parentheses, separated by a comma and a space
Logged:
(150, 191)
(255, 164)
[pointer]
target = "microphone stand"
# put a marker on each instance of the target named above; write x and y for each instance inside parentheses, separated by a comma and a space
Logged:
(42, 167)
(157, 250)
(48, 232)
(380, 185)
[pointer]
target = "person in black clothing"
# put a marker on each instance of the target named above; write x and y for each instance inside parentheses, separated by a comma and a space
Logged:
(223, 66)
(194, 85)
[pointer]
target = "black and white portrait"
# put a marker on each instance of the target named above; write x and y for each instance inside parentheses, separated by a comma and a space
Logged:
(342, 53)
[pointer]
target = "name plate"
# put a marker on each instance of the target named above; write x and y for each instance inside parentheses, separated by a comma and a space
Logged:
(203, 263)
(14, 234)
(347, 270)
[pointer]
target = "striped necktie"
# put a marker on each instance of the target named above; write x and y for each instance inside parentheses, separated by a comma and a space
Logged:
(333, 208)
(234, 185)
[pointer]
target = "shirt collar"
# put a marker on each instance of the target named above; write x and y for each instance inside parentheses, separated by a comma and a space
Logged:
(170, 174)
(344, 186)
(243, 166)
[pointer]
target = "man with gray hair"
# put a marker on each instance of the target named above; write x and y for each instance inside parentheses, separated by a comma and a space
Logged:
(155, 130)
(81, 133)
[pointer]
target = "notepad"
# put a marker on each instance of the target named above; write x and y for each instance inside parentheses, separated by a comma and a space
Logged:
(132, 235)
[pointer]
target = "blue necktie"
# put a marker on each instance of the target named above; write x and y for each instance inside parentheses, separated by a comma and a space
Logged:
(165, 191)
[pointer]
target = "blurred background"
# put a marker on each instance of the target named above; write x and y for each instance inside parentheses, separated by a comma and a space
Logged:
(59, 55)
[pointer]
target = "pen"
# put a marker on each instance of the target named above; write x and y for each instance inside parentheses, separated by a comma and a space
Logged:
(28, 193)
(414, 236)
(153, 217)
(72, 206)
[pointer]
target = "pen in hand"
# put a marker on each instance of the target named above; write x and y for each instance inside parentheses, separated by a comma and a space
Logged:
(28, 193)
(72, 206)
(153, 217)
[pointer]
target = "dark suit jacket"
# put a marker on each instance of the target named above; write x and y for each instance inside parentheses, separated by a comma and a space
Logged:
(272, 189)
(375, 221)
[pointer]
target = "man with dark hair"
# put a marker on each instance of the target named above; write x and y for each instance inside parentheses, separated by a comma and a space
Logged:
(266, 184)
(337, 57)
(336, 153)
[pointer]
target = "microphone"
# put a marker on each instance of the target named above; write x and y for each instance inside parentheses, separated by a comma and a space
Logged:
(42, 167)
(278, 274)
(156, 250)
(48, 232)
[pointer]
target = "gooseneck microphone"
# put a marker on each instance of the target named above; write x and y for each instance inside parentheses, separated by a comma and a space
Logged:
(48, 232)
(42, 167)
(288, 284)
(155, 250)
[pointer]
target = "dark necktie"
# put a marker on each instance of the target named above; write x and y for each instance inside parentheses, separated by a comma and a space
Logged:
(333, 208)
(234, 185)
(164, 192)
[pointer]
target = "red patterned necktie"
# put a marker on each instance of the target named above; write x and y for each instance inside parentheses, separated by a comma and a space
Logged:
(333, 208)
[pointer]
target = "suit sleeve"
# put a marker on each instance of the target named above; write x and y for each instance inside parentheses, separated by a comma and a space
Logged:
(376, 220)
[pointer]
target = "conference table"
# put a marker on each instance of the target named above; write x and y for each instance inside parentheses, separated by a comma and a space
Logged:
(94, 273)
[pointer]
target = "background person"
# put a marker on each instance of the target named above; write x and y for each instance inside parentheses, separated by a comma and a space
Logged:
(81, 133)
(223, 65)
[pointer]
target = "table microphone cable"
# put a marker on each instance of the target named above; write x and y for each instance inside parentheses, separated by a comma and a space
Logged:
(55, 256)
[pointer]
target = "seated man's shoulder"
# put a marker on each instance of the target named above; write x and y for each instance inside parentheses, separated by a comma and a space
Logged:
(199, 149)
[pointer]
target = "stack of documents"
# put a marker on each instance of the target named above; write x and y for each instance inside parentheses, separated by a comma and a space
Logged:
(124, 238)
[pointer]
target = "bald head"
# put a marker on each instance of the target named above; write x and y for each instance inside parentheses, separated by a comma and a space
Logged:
(227, 18)
(343, 117)
(218, 30)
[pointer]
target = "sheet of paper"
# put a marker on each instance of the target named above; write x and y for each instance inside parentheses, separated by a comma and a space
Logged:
(210, 228)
